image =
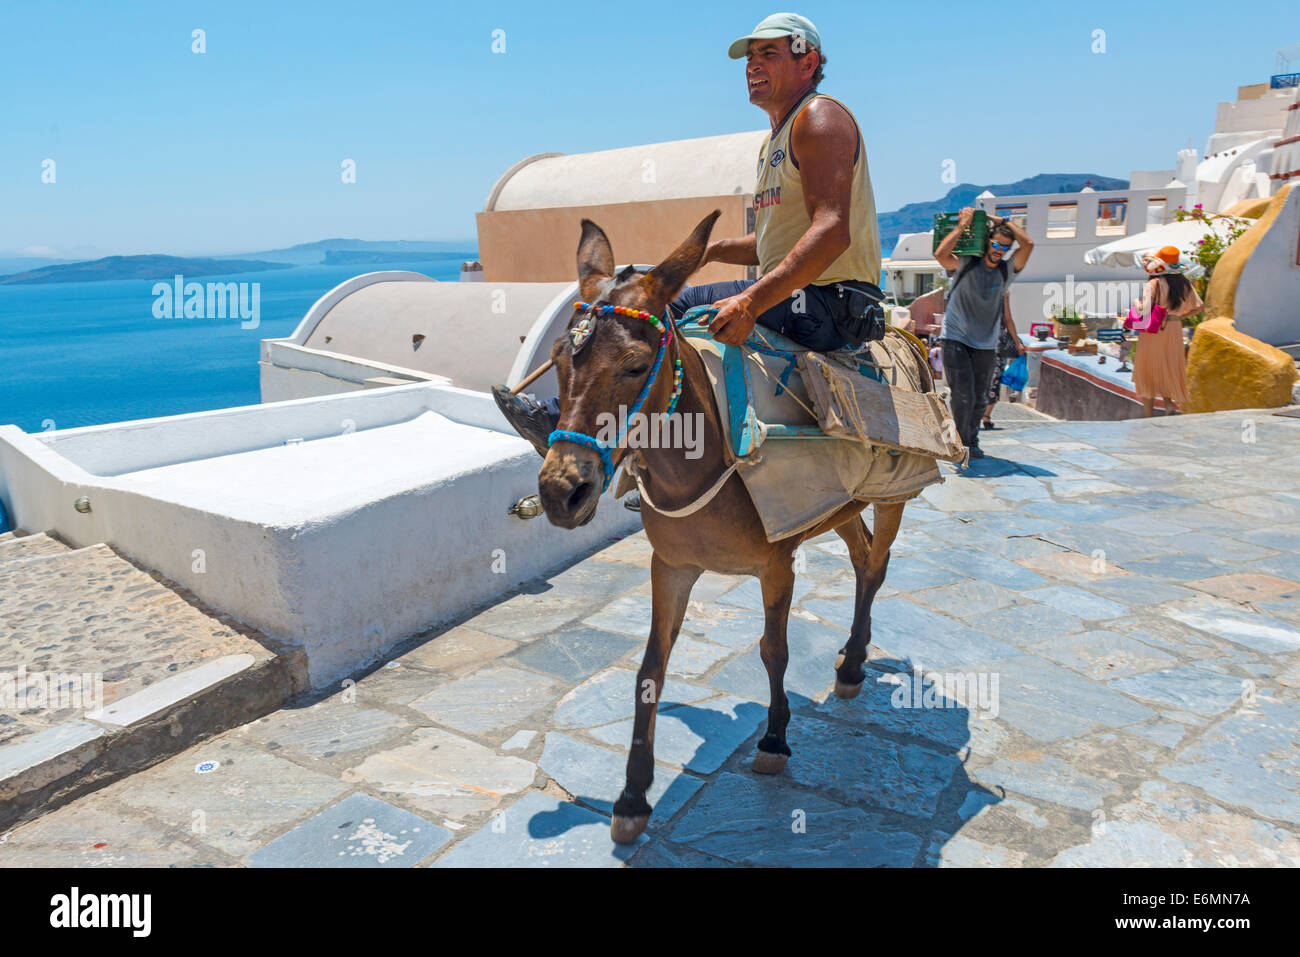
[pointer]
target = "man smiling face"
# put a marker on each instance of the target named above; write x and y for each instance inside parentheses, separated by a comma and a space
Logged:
(775, 75)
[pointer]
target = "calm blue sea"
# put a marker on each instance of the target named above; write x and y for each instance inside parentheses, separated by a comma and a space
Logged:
(74, 354)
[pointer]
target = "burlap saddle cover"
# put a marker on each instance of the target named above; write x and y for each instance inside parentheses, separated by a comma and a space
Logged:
(796, 473)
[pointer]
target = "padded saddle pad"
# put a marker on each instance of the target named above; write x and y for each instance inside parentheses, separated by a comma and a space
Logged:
(795, 483)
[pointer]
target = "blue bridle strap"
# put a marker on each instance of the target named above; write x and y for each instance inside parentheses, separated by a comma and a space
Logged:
(580, 438)
(596, 445)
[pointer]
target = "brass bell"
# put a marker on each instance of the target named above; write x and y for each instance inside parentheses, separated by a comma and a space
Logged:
(530, 506)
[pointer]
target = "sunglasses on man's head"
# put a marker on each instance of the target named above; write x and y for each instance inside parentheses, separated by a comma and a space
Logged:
(998, 246)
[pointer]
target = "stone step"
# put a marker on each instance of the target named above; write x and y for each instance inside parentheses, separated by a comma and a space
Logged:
(17, 548)
(107, 668)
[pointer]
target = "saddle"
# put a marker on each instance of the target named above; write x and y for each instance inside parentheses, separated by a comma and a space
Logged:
(811, 432)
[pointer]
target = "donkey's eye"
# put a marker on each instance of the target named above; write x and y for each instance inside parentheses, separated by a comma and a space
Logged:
(636, 372)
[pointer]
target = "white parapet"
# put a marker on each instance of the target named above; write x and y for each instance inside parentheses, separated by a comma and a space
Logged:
(343, 524)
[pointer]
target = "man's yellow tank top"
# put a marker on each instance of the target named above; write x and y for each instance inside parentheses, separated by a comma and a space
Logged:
(780, 218)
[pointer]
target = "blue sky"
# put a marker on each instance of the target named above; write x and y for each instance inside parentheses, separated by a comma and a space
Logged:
(161, 150)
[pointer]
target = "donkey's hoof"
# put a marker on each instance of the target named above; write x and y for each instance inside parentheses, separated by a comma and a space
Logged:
(625, 830)
(846, 691)
(766, 762)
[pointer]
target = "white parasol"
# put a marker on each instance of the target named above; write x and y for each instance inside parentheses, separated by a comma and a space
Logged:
(1126, 253)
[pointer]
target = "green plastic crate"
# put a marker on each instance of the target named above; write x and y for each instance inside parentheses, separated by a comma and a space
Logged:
(972, 242)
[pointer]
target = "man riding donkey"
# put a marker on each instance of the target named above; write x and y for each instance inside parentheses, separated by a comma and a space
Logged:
(818, 247)
(815, 236)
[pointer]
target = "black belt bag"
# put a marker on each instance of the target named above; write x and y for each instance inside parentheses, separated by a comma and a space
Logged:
(861, 317)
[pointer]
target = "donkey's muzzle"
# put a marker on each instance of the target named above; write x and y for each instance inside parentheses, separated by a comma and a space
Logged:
(569, 485)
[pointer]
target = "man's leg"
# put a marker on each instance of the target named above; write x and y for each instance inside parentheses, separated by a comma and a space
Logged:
(960, 375)
(807, 317)
(984, 364)
(706, 294)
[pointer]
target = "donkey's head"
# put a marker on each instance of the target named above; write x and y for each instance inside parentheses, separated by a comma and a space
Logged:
(604, 372)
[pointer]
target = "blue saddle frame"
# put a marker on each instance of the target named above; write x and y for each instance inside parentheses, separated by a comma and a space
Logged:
(744, 424)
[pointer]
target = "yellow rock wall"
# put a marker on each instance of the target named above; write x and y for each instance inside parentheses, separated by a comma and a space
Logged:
(1227, 369)
(1249, 208)
(1222, 291)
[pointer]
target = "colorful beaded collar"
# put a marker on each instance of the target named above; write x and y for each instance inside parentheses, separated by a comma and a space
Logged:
(579, 336)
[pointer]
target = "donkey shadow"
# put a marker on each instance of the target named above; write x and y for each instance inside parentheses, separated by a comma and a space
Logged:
(879, 780)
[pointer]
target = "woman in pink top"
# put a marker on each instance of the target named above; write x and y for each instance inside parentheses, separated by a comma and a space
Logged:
(1160, 366)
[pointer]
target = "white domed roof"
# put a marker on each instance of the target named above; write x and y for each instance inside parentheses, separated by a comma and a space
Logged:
(707, 166)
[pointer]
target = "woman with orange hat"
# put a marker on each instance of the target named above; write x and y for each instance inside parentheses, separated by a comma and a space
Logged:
(1160, 366)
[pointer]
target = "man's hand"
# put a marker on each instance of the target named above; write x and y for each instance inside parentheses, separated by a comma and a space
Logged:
(735, 320)
(965, 216)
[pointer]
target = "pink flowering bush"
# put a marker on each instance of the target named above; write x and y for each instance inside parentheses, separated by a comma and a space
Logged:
(1214, 244)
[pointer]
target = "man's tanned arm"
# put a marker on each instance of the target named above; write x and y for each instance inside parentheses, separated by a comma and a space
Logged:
(823, 139)
(737, 252)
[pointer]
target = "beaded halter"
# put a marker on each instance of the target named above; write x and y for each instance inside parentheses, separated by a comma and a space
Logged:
(579, 336)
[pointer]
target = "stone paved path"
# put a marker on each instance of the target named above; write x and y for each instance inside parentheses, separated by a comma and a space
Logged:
(1087, 652)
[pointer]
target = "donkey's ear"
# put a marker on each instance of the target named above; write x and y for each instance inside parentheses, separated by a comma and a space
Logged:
(667, 279)
(595, 259)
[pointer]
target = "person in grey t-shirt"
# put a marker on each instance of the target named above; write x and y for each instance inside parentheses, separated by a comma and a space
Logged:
(972, 318)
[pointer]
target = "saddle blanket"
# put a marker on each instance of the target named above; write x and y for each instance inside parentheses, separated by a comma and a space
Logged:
(796, 473)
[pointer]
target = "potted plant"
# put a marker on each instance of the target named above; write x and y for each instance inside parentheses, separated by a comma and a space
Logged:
(1070, 325)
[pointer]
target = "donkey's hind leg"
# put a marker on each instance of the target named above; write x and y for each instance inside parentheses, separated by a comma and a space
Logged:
(870, 556)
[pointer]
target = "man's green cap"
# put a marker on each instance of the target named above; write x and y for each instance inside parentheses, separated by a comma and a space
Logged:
(778, 25)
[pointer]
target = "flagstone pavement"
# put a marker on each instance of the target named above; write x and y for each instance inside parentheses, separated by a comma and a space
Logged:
(1087, 652)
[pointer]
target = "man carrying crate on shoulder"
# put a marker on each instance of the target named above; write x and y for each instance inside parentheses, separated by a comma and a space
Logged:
(975, 313)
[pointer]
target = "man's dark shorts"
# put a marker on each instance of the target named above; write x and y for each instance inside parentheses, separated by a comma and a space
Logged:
(808, 319)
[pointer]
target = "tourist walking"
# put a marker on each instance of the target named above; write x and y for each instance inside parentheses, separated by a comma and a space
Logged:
(1160, 366)
(974, 317)
(1009, 347)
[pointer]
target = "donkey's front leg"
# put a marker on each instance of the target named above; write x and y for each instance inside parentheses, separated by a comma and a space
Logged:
(671, 590)
(778, 591)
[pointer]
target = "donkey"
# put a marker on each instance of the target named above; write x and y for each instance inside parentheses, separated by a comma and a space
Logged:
(603, 366)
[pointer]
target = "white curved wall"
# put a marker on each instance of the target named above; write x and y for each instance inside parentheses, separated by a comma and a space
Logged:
(384, 328)
(389, 517)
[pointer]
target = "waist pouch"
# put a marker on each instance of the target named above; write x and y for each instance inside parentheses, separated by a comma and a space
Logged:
(860, 317)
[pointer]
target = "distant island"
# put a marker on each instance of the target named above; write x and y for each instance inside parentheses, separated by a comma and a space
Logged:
(327, 252)
(919, 217)
(138, 267)
(400, 250)
(350, 257)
